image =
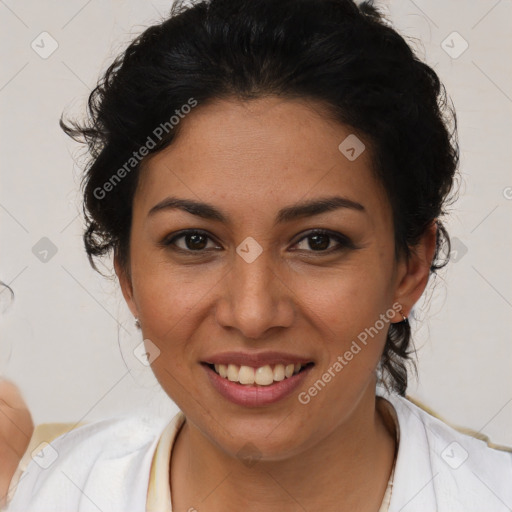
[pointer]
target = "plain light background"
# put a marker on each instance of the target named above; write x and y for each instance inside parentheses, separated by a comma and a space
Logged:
(67, 339)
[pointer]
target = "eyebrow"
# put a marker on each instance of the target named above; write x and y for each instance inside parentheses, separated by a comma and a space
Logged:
(296, 211)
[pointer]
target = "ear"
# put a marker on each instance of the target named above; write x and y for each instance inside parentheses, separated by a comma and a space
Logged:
(126, 285)
(413, 273)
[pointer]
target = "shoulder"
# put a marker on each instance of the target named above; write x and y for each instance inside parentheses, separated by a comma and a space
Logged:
(42, 435)
(106, 458)
(455, 469)
(430, 415)
(101, 438)
(438, 429)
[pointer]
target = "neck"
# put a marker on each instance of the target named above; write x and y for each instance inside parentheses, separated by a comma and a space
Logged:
(347, 470)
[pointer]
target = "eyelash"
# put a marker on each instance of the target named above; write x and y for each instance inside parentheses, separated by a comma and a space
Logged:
(343, 241)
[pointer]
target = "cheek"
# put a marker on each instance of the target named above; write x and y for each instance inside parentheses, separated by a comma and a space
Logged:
(350, 319)
(170, 308)
(349, 310)
(171, 304)
(345, 301)
(167, 294)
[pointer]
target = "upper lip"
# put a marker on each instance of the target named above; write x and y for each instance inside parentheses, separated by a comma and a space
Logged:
(256, 359)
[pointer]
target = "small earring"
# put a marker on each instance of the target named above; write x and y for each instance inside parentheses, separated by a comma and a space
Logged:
(405, 319)
(137, 323)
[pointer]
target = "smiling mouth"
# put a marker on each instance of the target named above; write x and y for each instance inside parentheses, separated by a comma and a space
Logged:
(263, 376)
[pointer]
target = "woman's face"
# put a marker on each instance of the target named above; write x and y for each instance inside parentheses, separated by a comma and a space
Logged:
(257, 279)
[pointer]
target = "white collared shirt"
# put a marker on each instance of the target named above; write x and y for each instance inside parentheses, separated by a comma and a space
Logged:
(122, 465)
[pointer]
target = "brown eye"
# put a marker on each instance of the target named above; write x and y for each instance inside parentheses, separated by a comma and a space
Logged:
(195, 241)
(190, 241)
(320, 241)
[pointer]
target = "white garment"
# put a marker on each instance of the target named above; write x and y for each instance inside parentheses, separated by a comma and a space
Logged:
(441, 469)
(106, 466)
(100, 467)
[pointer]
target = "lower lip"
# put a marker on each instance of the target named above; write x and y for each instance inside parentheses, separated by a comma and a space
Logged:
(255, 396)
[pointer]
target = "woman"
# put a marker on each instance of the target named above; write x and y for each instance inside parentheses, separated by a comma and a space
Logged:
(269, 176)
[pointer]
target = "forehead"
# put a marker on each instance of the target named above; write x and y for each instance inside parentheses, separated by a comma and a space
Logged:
(258, 153)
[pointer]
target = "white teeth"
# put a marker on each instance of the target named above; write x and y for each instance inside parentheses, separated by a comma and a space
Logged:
(223, 370)
(262, 376)
(246, 375)
(279, 372)
(233, 372)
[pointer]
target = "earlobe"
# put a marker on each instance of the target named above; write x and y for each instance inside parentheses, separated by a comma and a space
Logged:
(416, 271)
(126, 286)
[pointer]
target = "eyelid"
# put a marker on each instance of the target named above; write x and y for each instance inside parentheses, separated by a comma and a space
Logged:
(169, 240)
(343, 240)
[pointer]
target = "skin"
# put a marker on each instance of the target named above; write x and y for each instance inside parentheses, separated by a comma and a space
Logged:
(16, 428)
(250, 159)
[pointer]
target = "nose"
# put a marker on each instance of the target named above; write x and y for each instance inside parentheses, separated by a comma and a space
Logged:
(254, 298)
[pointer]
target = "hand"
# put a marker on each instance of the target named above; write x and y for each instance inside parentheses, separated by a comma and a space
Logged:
(16, 428)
